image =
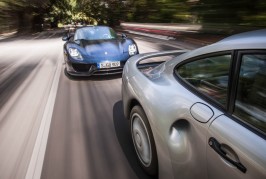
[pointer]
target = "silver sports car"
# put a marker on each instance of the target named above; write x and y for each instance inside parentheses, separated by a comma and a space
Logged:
(203, 113)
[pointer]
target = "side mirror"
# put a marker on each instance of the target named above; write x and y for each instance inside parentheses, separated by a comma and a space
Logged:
(124, 36)
(65, 38)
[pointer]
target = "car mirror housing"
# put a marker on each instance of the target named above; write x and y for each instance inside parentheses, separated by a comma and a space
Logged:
(124, 36)
(65, 38)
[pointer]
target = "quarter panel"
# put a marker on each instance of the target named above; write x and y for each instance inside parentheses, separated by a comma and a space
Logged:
(180, 139)
(142, 89)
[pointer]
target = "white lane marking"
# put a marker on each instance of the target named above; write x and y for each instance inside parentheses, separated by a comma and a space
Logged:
(36, 163)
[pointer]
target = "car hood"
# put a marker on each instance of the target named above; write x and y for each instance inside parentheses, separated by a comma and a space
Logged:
(102, 48)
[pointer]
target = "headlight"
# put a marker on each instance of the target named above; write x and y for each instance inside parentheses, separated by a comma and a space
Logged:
(75, 53)
(132, 49)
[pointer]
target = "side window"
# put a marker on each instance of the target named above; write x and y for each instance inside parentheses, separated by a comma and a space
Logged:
(209, 76)
(250, 103)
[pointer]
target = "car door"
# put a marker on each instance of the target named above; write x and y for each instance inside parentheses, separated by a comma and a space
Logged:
(207, 78)
(234, 151)
(234, 84)
(236, 140)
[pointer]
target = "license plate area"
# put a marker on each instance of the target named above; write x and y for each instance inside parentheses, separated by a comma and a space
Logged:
(108, 64)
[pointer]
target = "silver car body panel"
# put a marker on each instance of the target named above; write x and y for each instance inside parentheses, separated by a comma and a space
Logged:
(243, 146)
(182, 138)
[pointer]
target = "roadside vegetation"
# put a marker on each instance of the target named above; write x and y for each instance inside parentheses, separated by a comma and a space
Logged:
(35, 15)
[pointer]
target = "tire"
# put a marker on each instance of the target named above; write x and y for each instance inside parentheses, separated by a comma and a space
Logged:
(143, 141)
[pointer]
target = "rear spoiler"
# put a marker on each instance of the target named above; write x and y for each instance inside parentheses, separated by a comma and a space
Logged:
(133, 64)
(148, 65)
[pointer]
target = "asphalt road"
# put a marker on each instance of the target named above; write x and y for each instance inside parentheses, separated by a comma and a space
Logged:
(88, 136)
(27, 69)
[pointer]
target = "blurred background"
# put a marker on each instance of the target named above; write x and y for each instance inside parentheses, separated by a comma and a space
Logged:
(88, 135)
(19, 16)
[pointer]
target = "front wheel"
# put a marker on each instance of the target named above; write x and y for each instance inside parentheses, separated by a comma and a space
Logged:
(143, 140)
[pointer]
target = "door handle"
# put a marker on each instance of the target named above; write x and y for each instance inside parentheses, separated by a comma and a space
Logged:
(216, 146)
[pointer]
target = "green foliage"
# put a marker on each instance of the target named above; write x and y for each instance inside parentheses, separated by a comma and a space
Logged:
(25, 13)
(88, 11)
(21, 15)
(238, 12)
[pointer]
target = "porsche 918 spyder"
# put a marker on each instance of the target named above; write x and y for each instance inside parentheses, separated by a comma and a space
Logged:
(97, 50)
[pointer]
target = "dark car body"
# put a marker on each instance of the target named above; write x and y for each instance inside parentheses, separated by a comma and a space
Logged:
(97, 50)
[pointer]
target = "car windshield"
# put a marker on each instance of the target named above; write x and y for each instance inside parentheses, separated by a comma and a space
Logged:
(95, 33)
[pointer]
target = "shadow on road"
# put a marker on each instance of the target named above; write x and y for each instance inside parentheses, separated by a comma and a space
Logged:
(9, 84)
(123, 135)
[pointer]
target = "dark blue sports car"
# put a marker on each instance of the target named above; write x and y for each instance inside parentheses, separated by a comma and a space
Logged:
(97, 50)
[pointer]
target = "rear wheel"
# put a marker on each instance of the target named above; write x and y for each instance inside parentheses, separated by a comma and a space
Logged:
(143, 140)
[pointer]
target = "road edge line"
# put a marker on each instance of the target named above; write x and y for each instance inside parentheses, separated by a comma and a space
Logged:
(36, 163)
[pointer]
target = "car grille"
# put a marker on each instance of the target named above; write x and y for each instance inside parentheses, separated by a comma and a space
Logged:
(81, 67)
(109, 71)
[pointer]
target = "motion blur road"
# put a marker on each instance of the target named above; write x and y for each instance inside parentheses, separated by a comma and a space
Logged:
(88, 136)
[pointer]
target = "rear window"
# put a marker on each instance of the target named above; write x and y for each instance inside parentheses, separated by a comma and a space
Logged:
(209, 76)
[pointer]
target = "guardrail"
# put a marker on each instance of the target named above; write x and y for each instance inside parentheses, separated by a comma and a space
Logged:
(183, 32)
(223, 29)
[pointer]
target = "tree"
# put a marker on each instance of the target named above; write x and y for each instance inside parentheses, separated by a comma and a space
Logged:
(238, 12)
(26, 13)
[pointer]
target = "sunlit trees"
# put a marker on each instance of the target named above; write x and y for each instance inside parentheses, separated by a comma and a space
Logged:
(88, 11)
(224, 12)
(163, 11)
(237, 12)
(21, 15)
(33, 14)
